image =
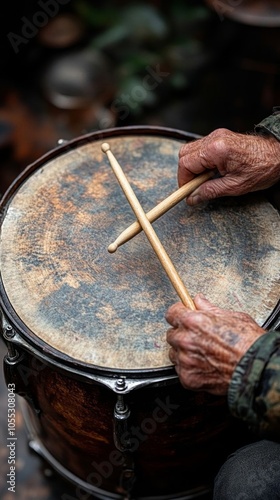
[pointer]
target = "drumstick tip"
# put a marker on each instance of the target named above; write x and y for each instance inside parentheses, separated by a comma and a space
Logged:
(105, 147)
(112, 248)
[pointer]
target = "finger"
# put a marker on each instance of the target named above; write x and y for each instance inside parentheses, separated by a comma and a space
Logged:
(195, 158)
(215, 188)
(174, 313)
(189, 163)
(228, 185)
(173, 337)
(173, 355)
(189, 167)
(203, 304)
(197, 381)
(190, 379)
(179, 315)
(183, 340)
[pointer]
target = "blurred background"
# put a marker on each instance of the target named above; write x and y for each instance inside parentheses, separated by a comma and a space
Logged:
(71, 67)
(75, 66)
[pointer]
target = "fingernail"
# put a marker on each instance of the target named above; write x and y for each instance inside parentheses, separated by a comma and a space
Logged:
(195, 200)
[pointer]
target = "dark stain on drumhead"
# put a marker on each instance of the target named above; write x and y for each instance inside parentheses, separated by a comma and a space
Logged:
(108, 309)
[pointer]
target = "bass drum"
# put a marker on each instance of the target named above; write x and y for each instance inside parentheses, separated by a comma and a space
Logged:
(85, 329)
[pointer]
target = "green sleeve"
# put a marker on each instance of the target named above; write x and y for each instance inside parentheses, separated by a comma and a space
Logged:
(254, 392)
(271, 124)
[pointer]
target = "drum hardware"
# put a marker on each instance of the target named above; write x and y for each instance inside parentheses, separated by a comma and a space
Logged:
(121, 415)
(274, 320)
(8, 334)
(160, 209)
(122, 440)
(62, 142)
(148, 229)
(122, 385)
(90, 329)
(13, 368)
(127, 480)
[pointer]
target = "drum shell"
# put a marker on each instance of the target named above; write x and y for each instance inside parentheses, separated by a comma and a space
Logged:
(178, 438)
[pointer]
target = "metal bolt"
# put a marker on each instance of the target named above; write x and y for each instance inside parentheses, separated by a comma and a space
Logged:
(60, 142)
(121, 384)
(9, 332)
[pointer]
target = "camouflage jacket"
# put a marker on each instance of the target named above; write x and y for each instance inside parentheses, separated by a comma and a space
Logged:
(271, 124)
(254, 392)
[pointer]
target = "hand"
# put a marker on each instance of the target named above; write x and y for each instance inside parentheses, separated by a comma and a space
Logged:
(245, 162)
(208, 343)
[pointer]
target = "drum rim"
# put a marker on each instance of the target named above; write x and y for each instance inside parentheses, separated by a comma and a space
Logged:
(67, 145)
(273, 321)
(34, 342)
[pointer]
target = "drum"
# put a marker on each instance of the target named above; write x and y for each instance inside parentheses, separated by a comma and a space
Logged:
(85, 329)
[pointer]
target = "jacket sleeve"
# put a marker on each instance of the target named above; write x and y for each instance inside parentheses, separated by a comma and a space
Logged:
(254, 392)
(271, 124)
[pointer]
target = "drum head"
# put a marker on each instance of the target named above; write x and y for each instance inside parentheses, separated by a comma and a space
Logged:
(67, 293)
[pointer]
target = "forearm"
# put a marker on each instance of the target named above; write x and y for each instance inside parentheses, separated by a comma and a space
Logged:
(254, 392)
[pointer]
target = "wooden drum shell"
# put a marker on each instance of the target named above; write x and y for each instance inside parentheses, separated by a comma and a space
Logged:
(179, 438)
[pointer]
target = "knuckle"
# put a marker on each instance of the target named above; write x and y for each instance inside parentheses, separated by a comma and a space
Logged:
(184, 150)
(220, 141)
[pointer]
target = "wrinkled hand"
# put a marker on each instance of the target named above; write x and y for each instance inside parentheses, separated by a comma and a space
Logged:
(246, 163)
(208, 343)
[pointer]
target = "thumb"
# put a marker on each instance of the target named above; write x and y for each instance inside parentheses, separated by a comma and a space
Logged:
(221, 186)
(203, 304)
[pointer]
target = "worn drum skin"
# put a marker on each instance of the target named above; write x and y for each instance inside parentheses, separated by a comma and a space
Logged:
(85, 329)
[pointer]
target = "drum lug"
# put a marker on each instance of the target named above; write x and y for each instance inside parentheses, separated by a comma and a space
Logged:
(121, 433)
(126, 385)
(12, 365)
(12, 355)
(121, 384)
(122, 440)
(127, 481)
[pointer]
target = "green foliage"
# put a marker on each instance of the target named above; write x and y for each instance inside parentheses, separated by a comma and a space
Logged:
(137, 35)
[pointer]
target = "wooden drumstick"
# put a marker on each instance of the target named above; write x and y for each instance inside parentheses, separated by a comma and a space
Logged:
(149, 230)
(160, 209)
